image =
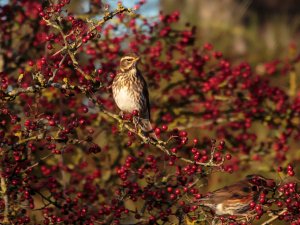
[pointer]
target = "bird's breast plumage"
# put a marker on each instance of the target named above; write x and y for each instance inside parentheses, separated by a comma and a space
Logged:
(125, 100)
(128, 93)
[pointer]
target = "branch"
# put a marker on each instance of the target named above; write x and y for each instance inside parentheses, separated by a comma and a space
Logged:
(15, 92)
(37, 137)
(68, 48)
(5, 199)
(121, 9)
(159, 144)
(38, 162)
(100, 23)
(71, 50)
(55, 71)
(274, 217)
(48, 199)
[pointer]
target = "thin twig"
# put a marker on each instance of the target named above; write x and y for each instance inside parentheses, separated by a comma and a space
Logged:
(70, 53)
(159, 144)
(48, 199)
(55, 71)
(107, 17)
(37, 163)
(37, 137)
(274, 217)
(6, 202)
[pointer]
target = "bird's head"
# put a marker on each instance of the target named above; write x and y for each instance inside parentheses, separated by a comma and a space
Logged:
(128, 62)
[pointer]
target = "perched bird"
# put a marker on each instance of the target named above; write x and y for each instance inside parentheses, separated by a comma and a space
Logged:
(235, 199)
(130, 92)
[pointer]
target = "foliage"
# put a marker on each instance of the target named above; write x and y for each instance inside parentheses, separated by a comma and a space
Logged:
(66, 157)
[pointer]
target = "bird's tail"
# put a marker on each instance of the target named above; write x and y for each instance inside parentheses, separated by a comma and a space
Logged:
(147, 128)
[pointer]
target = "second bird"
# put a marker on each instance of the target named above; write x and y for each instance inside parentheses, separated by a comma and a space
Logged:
(130, 92)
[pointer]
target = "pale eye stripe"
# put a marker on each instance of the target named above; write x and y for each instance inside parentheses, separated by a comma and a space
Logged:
(127, 57)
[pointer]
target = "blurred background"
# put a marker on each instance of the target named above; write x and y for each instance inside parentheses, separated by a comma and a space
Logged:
(253, 30)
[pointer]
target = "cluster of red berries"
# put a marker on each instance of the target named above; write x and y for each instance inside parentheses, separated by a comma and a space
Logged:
(57, 150)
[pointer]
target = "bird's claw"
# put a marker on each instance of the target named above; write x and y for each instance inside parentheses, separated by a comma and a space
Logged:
(147, 140)
(121, 126)
(121, 114)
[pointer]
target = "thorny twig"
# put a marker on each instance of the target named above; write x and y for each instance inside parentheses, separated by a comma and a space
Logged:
(55, 71)
(70, 53)
(100, 23)
(71, 50)
(159, 144)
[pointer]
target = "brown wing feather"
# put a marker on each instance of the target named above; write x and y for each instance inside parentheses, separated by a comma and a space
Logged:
(233, 192)
(145, 93)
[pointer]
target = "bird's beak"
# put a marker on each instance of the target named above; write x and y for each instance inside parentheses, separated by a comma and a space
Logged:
(137, 59)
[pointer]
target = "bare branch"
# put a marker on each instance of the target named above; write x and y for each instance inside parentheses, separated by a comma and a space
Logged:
(274, 217)
(5, 199)
(159, 144)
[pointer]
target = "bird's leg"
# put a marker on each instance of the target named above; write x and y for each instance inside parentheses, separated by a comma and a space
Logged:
(215, 221)
(137, 124)
(121, 125)
(136, 121)
(121, 114)
(248, 217)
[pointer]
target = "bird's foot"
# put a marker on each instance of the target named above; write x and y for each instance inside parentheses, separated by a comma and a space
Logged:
(121, 114)
(215, 221)
(136, 121)
(147, 140)
(121, 126)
